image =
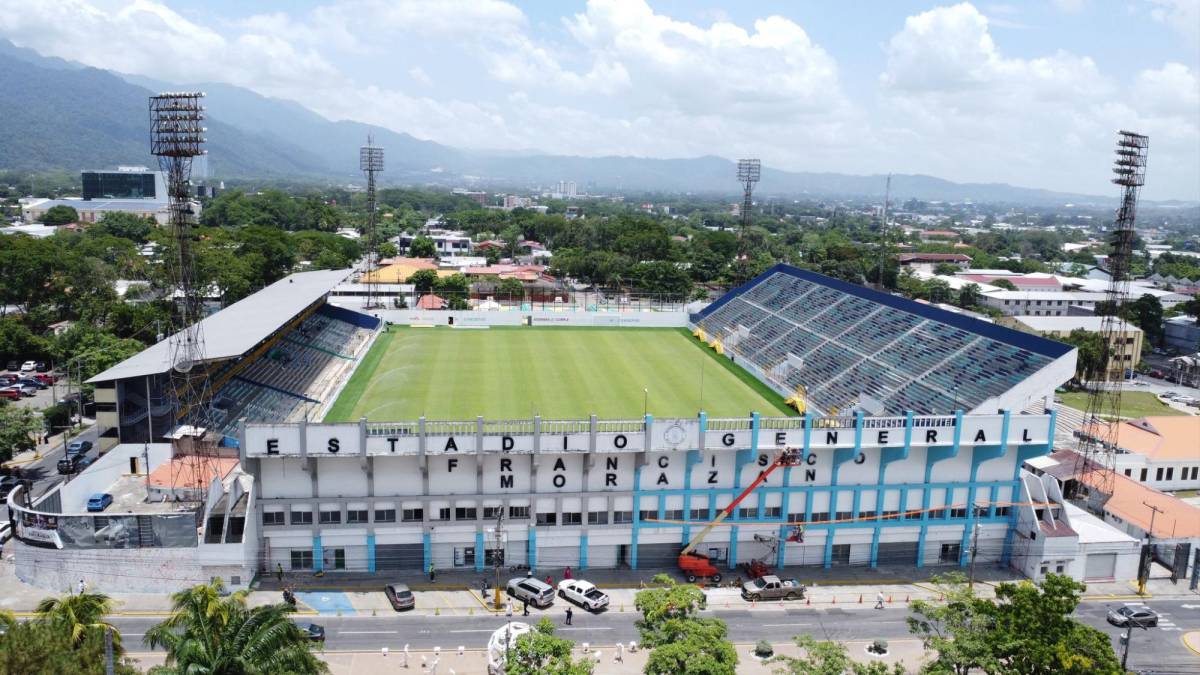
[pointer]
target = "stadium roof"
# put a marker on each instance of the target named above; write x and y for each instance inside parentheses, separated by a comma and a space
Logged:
(137, 205)
(234, 330)
(1054, 324)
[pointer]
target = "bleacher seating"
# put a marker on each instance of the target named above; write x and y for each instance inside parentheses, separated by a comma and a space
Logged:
(300, 371)
(850, 346)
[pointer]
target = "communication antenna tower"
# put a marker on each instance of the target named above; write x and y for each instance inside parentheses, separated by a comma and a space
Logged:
(370, 161)
(176, 138)
(748, 173)
(1096, 447)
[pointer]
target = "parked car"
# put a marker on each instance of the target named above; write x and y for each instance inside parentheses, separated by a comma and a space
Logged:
(26, 389)
(10, 394)
(33, 382)
(583, 593)
(99, 501)
(311, 631)
(7, 483)
(13, 366)
(528, 589)
(1157, 373)
(78, 448)
(28, 366)
(400, 596)
(47, 378)
(41, 367)
(8, 378)
(771, 587)
(1139, 616)
(73, 464)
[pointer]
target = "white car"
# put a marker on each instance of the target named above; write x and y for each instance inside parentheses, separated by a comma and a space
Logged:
(583, 593)
(28, 366)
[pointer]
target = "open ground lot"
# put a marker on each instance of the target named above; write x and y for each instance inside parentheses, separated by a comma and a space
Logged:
(558, 373)
(1133, 404)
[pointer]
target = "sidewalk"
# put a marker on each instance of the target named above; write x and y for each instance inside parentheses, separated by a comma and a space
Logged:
(908, 652)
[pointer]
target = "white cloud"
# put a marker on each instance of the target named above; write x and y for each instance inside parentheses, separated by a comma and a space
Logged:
(1069, 6)
(1183, 16)
(418, 75)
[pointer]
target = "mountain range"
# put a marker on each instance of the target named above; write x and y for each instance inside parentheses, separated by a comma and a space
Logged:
(56, 114)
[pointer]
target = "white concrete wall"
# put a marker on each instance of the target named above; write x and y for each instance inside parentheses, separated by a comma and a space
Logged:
(149, 570)
(107, 470)
(643, 319)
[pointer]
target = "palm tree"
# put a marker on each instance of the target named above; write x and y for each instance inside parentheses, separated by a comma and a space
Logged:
(208, 634)
(79, 613)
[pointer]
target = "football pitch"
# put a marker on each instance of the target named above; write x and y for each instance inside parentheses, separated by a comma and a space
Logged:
(558, 373)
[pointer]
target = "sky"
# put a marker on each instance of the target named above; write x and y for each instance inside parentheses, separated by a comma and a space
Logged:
(1027, 93)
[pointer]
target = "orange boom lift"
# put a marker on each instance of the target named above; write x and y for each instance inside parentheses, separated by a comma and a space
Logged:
(698, 566)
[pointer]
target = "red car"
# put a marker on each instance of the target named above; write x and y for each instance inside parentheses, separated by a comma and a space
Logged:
(10, 394)
(46, 378)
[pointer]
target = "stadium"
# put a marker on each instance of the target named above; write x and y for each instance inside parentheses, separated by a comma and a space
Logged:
(398, 439)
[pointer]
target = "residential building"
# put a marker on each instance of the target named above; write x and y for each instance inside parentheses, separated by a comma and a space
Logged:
(927, 261)
(1161, 452)
(1125, 350)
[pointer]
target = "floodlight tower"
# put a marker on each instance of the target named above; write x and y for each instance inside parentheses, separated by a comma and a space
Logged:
(176, 138)
(748, 173)
(370, 161)
(1104, 399)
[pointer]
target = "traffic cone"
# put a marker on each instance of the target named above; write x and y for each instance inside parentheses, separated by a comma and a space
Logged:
(808, 602)
(834, 600)
(889, 599)
(906, 599)
(860, 598)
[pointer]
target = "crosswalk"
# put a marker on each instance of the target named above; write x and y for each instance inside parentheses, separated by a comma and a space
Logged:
(1164, 618)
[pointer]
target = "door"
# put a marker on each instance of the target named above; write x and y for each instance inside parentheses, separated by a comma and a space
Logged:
(400, 557)
(552, 557)
(841, 554)
(603, 556)
(897, 553)
(1100, 566)
(650, 556)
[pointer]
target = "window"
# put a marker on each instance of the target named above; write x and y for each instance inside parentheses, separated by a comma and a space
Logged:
(937, 514)
(272, 517)
(1143, 478)
(822, 517)
(698, 514)
(356, 516)
(747, 513)
(1045, 569)
(622, 517)
(442, 514)
(302, 517)
(866, 515)
(518, 512)
(1059, 568)
(331, 517)
(302, 560)
(673, 514)
(1003, 511)
(795, 517)
(958, 513)
(547, 519)
(843, 515)
(981, 511)
(647, 514)
(597, 517)
(950, 553)
(1158, 473)
(408, 515)
(912, 515)
(772, 511)
(386, 515)
(492, 512)
(1170, 472)
(1129, 472)
(572, 518)
(465, 513)
(890, 515)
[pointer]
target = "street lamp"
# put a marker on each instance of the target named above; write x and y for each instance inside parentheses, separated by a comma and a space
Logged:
(645, 402)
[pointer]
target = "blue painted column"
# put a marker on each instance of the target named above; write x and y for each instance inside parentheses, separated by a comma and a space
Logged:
(840, 457)
(426, 551)
(371, 552)
(978, 457)
(693, 458)
(637, 520)
(583, 544)
(731, 559)
(887, 456)
(932, 456)
(318, 555)
(784, 499)
(480, 551)
(532, 548)
(1024, 452)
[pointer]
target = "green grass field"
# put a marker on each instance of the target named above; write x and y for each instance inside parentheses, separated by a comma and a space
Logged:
(558, 373)
(1133, 404)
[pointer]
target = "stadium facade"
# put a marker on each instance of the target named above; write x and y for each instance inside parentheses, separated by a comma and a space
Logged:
(913, 440)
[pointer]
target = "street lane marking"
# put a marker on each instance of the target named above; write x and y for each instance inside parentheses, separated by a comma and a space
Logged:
(585, 628)
(367, 632)
(784, 625)
(474, 630)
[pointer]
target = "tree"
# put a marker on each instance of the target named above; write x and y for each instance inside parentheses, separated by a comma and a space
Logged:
(826, 657)
(79, 614)
(693, 646)
(510, 289)
(17, 429)
(956, 629)
(40, 647)
(1147, 313)
(1005, 284)
(668, 600)
(1191, 308)
(455, 289)
(540, 652)
(125, 226)
(423, 280)
(422, 247)
(968, 296)
(209, 633)
(1090, 363)
(945, 269)
(937, 290)
(60, 215)
(388, 250)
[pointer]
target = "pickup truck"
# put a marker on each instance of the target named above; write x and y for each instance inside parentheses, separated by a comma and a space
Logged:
(772, 587)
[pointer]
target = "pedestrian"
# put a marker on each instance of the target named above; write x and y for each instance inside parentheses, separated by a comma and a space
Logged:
(528, 574)
(567, 573)
(569, 615)
(550, 581)
(279, 571)
(620, 657)
(82, 587)
(432, 572)
(879, 600)
(524, 608)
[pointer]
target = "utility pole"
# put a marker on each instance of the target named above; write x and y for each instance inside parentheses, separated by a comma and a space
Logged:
(108, 650)
(1148, 553)
(1126, 639)
(974, 550)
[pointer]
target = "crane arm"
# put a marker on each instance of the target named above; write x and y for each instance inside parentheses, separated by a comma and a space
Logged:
(788, 457)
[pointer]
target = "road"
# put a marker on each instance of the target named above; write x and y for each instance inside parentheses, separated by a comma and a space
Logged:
(44, 472)
(1158, 648)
